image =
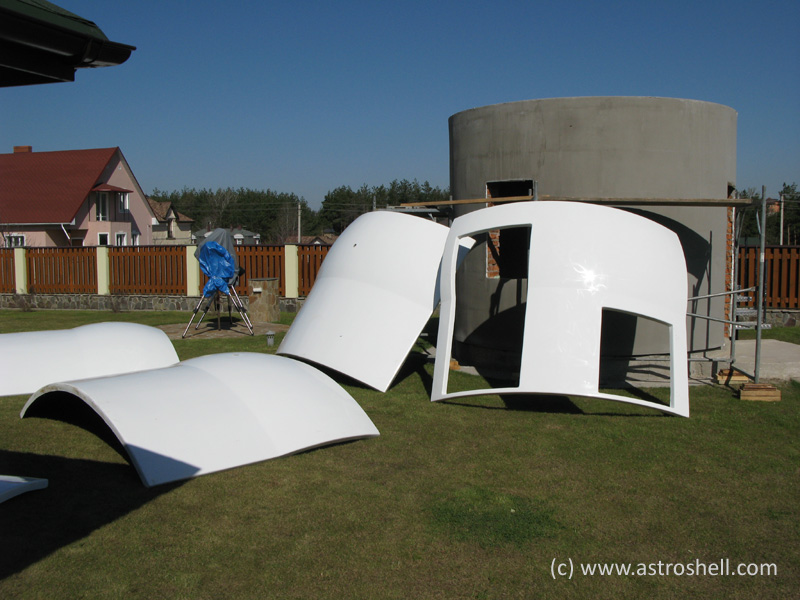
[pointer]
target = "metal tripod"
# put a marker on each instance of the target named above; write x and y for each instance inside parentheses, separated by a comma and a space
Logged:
(233, 298)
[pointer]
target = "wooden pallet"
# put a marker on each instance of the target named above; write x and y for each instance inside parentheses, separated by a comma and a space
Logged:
(759, 392)
(731, 376)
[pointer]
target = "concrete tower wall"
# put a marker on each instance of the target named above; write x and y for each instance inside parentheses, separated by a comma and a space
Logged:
(614, 147)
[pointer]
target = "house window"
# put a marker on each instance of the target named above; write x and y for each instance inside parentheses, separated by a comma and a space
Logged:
(123, 202)
(15, 241)
(135, 238)
(239, 238)
(102, 239)
(102, 206)
(120, 238)
(171, 228)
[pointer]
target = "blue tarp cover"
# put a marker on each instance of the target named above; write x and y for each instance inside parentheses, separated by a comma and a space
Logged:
(217, 263)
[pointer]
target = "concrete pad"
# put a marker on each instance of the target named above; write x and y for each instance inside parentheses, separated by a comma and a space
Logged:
(780, 361)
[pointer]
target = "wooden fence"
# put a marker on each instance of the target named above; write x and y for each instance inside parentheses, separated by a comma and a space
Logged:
(62, 270)
(8, 276)
(147, 270)
(260, 262)
(163, 270)
(309, 261)
(781, 275)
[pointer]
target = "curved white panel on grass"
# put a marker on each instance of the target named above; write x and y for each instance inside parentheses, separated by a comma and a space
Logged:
(11, 486)
(33, 359)
(217, 412)
(373, 296)
(583, 258)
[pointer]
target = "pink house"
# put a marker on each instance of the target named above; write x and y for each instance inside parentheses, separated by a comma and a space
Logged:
(71, 198)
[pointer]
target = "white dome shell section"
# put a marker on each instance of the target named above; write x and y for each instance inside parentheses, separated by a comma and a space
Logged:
(32, 359)
(373, 296)
(218, 412)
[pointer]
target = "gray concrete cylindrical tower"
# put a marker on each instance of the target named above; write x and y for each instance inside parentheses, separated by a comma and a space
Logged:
(595, 147)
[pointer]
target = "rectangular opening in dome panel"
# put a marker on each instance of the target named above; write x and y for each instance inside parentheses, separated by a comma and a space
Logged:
(488, 331)
(620, 367)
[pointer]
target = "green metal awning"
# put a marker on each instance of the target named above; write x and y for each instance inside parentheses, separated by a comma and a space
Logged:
(43, 43)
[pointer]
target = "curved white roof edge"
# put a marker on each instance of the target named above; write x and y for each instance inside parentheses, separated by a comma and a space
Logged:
(11, 485)
(373, 296)
(217, 412)
(601, 258)
(32, 359)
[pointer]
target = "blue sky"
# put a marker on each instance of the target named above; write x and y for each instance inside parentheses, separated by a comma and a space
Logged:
(303, 97)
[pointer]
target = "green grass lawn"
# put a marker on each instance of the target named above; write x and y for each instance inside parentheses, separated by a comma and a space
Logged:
(464, 499)
(783, 334)
(12, 321)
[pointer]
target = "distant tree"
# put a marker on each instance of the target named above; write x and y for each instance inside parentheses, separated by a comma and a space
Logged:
(274, 214)
(271, 214)
(219, 204)
(344, 205)
(751, 218)
(791, 215)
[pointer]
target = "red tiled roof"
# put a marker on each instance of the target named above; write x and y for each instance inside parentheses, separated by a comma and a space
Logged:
(48, 187)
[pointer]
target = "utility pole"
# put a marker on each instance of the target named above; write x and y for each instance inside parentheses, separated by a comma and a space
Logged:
(781, 236)
(298, 223)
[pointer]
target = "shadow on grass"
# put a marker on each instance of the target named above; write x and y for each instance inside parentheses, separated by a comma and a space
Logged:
(68, 408)
(415, 365)
(82, 496)
(524, 403)
(210, 327)
(641, 394)
(543, 403)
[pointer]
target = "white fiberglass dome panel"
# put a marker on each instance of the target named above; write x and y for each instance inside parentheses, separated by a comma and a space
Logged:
(582, 258)
(32, 359)
(217, 412)
(373, 296)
